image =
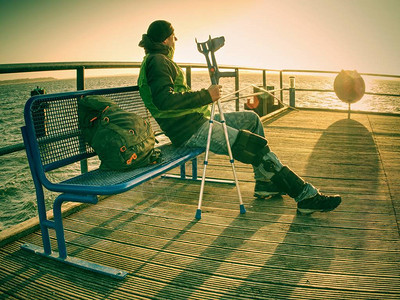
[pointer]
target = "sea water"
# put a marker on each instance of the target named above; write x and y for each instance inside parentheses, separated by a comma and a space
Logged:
(17, 193)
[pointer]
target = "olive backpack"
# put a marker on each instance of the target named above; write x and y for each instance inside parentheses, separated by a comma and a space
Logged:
(123, 140)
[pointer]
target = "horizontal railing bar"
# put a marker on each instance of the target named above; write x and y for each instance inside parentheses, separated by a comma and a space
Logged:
(332, 91)
(336, 72)
(185, 65)
(53, 66)
(59, 66)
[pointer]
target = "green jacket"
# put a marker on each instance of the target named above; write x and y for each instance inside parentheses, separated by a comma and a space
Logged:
(179, 111)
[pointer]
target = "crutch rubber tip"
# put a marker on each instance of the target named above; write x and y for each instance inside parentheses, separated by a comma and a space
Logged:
(242, 209)
(198, 214)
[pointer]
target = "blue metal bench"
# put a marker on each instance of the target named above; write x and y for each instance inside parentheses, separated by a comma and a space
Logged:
(53, 140)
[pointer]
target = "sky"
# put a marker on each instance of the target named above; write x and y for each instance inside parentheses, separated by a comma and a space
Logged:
(328, 35)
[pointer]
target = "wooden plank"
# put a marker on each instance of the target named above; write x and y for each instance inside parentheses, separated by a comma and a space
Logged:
(253, 245)
(221, 216)
(160, 263)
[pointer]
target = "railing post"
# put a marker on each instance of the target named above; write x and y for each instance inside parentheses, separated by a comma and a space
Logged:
(237, 88)
(281, 84)
(80, 85)
(80, 78)
(189, 76)
(264, 79)
(292, 91)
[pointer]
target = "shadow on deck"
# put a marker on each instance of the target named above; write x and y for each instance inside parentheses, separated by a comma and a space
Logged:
(271, 252)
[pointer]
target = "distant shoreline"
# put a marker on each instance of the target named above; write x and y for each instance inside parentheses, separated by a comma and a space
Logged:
(26, 80)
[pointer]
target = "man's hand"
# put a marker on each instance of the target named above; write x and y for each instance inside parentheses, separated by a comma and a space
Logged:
(215, 92)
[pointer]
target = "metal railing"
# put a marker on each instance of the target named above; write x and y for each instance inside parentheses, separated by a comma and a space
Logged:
(289, 71)
(80, 68)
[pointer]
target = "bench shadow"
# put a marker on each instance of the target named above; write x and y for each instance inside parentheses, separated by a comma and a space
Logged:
(106, 229)
(228, 242)
(34, 269)
(287, 268)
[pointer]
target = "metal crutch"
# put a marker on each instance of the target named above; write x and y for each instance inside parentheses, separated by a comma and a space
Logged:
(209, 47)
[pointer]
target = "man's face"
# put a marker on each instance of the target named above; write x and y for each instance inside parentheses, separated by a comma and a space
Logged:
(170, 41)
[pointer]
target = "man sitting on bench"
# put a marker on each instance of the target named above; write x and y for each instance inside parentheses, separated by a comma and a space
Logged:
(183, 115)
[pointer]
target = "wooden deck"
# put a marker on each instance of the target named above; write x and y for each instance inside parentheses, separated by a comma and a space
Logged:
(271, 252)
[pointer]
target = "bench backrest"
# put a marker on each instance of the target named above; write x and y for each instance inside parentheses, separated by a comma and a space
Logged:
(53, 129)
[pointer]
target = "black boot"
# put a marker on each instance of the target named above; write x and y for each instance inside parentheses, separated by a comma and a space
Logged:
(288, 181)
(319, 202)
(265, 189)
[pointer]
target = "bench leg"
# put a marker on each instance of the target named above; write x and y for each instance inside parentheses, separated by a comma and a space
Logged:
(58, 223)
(80, 263)
(43, 220)
(194, 169)
(62, 255)
(183, 171)
(39, 195)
